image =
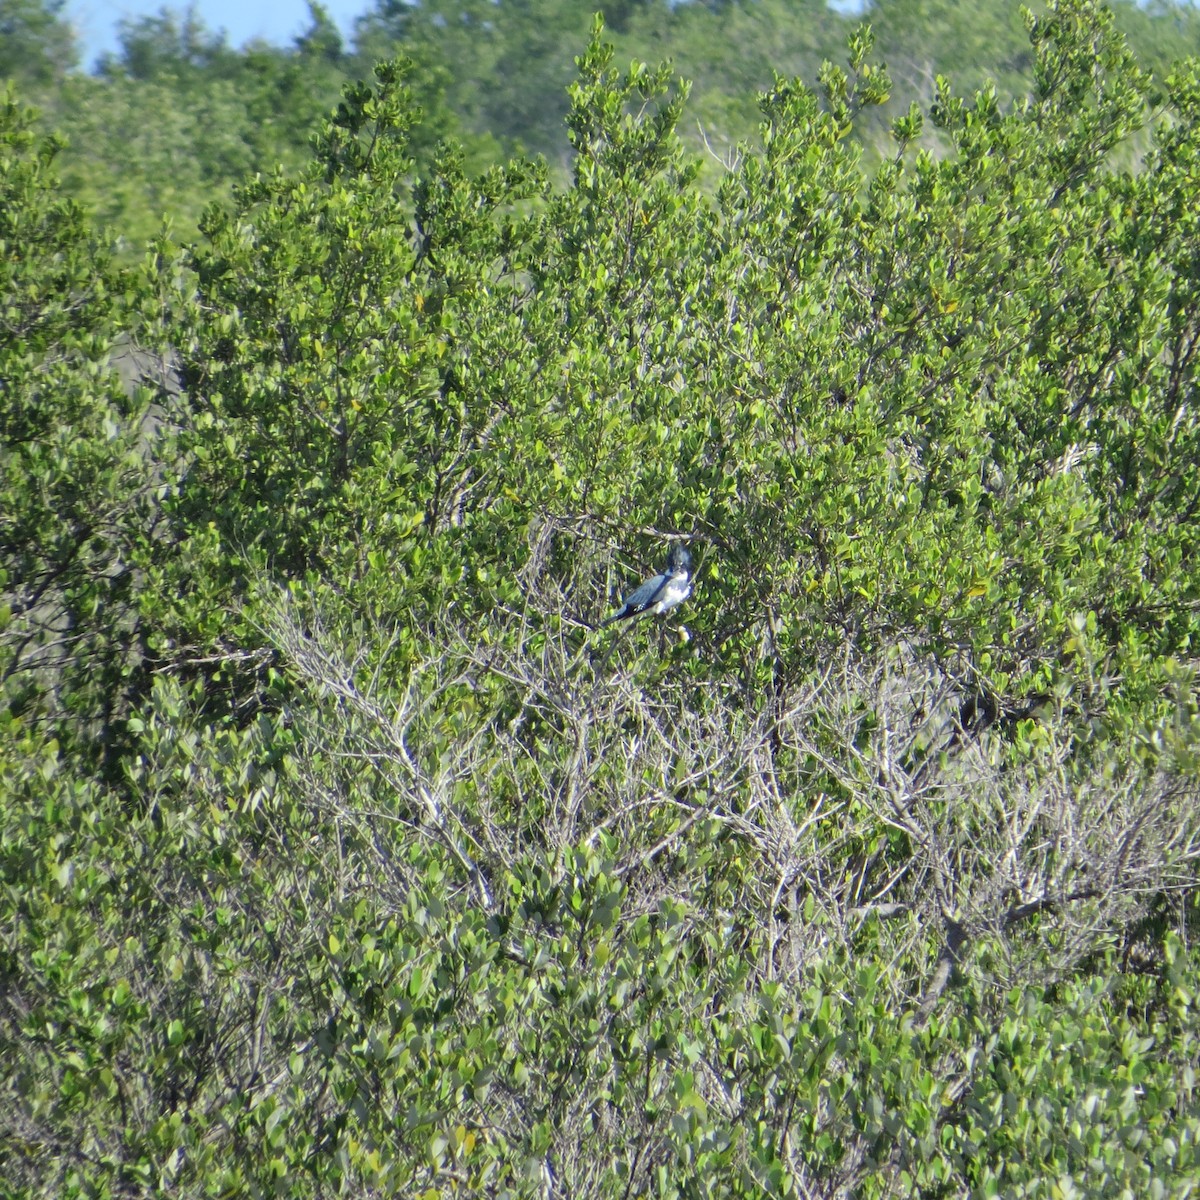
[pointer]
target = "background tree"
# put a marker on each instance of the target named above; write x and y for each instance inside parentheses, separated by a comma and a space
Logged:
(190, 113)
(37, 47)
(169, 43)
(218, 115)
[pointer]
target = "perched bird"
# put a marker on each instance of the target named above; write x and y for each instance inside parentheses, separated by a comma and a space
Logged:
(663, 592)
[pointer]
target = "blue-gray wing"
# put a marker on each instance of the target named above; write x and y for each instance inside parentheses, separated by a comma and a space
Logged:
(640, 600)
(645, 595)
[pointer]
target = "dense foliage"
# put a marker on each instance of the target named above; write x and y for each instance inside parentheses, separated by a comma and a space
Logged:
(341, 853)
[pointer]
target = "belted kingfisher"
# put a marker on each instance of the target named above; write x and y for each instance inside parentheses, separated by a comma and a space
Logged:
(663, 592)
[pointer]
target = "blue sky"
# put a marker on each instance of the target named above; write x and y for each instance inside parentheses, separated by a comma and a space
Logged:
(278, 21)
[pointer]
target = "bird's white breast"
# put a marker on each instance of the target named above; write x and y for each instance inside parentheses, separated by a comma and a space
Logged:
(674, 592)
